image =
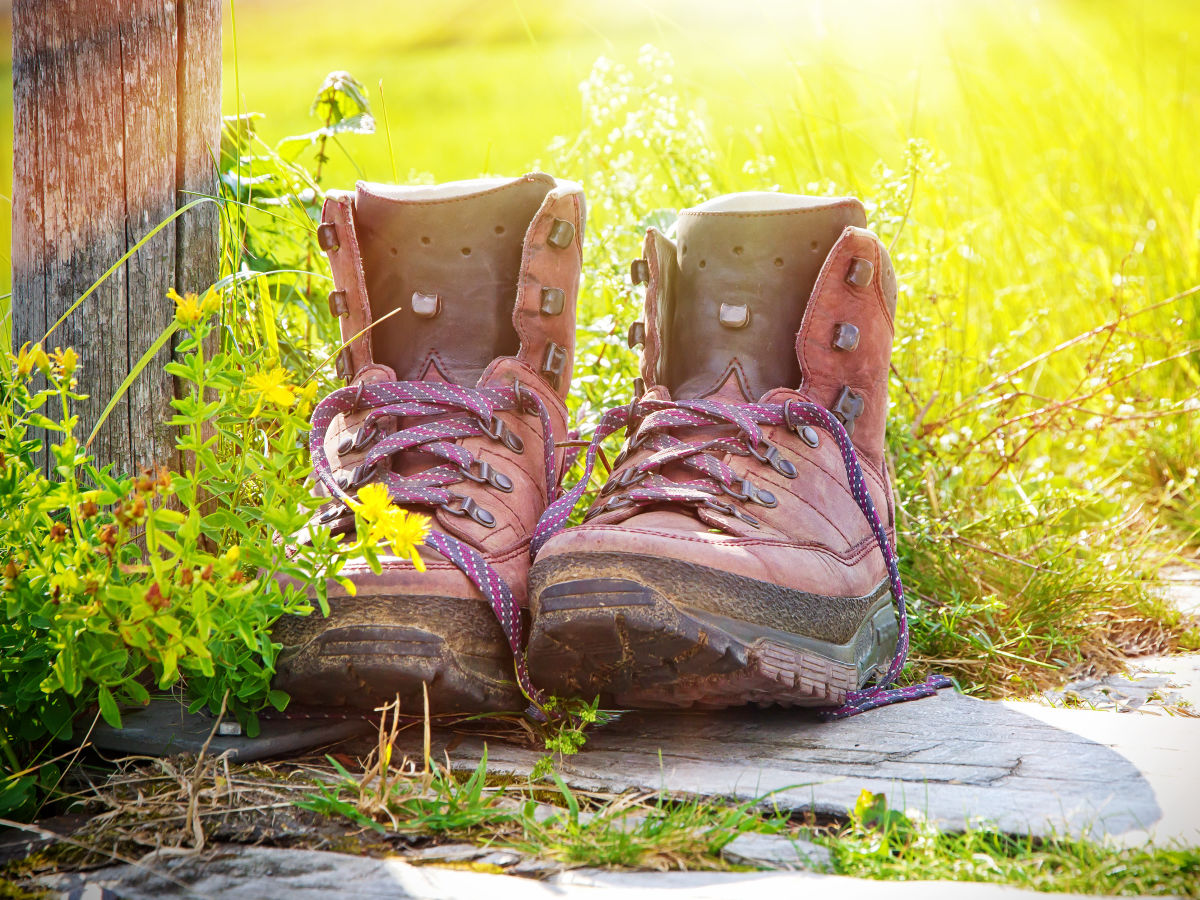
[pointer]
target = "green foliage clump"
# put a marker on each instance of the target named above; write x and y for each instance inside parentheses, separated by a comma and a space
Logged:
(114, 585)
(117, 585)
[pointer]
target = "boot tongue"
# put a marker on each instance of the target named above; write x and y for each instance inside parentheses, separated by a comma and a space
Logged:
(449, 259)
(747, 266)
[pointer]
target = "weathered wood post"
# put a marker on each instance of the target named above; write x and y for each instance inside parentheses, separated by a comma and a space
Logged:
(116, 126)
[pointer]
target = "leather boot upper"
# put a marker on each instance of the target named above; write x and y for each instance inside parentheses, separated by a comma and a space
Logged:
(474, 284)
(764, 299)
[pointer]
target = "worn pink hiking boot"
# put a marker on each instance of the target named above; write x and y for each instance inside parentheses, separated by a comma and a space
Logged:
(455, 402)
(740, 550)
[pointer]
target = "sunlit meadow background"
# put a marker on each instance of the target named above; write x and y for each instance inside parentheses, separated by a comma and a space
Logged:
(1032, 164)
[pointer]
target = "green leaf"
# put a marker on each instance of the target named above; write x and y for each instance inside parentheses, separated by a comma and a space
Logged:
(108, 707)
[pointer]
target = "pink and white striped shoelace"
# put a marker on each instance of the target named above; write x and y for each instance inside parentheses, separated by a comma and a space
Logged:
(643, 484)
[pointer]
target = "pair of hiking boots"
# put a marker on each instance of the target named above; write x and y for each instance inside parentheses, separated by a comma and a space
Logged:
(739, 550)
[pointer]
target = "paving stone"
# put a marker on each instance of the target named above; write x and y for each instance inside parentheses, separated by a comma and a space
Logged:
(463, 853)
(448, 853)
(1023, 768)
(165, 728)
(777, 851)
(252, 873)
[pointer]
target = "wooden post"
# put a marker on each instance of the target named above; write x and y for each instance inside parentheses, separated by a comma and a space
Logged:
(116, 126)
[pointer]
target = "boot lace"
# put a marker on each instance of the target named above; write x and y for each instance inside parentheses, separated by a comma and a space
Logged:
(643, 484)
(460, 413)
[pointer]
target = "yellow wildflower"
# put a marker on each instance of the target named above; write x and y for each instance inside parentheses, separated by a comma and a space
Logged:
(65, 361)
(373, 502)
(308, 394)
(31, 357)
(402, 531)
(210, 303)
(272, 387)
(187, 307)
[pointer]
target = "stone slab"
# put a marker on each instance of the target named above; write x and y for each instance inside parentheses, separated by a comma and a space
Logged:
(1021, 767)
(777, 851)
(252, 873)
(165, 728)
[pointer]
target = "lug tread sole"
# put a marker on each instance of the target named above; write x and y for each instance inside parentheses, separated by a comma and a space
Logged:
(372, 650)
(654, 655)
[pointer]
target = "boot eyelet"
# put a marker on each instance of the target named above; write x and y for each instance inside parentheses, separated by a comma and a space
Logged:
(561, 234)
(773, 458)
(527, 399)
(458, 505)
(613, 503)
(482, 473)
(625, 478)
(806, 433)
(327, 237)
(362, 474)
(728, 509)
(744, 490)
(765, 498)
(553, 301)
(498, 431)
(366, 435)
(639, 438)
(639, 271)
(848, 406)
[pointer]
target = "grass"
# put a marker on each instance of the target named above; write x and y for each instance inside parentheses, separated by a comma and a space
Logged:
(888, 844)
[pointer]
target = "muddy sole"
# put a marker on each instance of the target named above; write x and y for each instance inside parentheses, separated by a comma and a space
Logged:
(644, 632)
(374, 649)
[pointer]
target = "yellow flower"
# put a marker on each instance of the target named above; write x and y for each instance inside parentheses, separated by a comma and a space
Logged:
(191, 308)
(272, 387)
(402, 531)
(373, 502)
(64, 361)
(30, 357)
(210, 303)
(187, 307)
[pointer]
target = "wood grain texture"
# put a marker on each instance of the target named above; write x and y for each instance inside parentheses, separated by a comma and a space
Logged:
(117, 113)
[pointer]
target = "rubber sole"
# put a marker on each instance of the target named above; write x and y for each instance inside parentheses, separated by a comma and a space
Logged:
(647, 632)
(372, 649)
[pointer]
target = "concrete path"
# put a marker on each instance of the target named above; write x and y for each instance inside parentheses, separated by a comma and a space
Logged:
(254, 873)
